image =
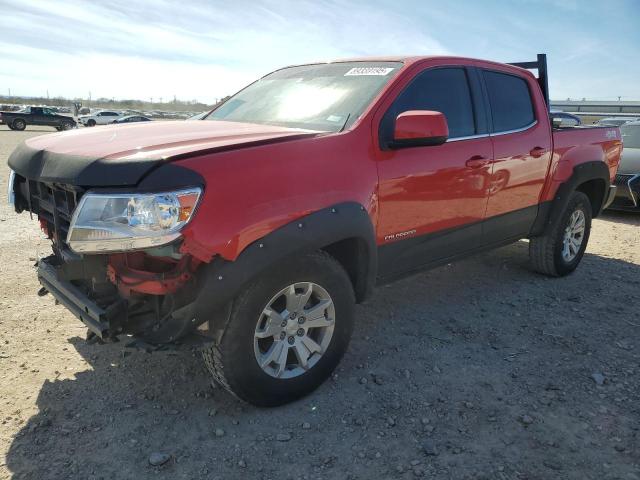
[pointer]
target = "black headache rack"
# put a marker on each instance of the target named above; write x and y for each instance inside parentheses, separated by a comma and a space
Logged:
(543, 78)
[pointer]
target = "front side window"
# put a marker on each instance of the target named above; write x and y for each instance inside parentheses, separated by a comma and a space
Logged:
(325, 97)
(510, 100)
(444, 90)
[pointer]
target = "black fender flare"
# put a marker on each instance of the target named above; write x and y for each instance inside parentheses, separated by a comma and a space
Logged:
(550, 212)
(221, 280)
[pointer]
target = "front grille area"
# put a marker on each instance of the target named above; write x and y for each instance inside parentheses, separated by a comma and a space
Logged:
(54, 204)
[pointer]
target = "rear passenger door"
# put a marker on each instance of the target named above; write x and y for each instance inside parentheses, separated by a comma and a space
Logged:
(521, 139)
(433, 198)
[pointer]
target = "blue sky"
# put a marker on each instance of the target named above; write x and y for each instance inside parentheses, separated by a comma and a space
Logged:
(206, 49)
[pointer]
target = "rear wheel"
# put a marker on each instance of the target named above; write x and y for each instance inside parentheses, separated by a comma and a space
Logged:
(559, 251)
(19, 124)
(287, 332)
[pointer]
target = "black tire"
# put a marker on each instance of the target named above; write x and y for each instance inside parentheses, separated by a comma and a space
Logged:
(19, 124)
(10, 126)
(66, 126)
(545, 252)
(233, 364)
(59, 129)
(91, 123)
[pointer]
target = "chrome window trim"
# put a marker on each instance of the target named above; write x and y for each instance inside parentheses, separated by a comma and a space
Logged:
(468, 137)
(517, 130)
(495, 134)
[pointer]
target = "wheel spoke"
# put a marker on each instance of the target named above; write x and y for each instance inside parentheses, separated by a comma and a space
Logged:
(302, 353)
(272, 354)
(315, 316)
(295, 301)
(565, 250)
(272, 326)
(311, 344)
(282, 359)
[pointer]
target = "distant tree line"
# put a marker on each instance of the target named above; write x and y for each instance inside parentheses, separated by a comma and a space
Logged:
(173, 105)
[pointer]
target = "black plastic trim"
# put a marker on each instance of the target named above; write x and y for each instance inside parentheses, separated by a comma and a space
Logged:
(584, 172)
(220, 281)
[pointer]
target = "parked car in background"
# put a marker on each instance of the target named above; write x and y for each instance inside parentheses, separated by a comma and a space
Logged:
(615, 121)
(132, 119)
(564, 119)
(253, 233)
(36, 116)
(102, 117)
(198, 116)
(628, 177)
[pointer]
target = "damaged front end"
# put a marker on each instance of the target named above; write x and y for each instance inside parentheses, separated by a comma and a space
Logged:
(148, 292)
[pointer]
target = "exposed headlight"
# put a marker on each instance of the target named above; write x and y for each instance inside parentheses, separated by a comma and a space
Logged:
(121, 222)
(11, 196)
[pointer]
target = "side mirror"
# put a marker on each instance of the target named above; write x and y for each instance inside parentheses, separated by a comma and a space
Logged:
(420, 128)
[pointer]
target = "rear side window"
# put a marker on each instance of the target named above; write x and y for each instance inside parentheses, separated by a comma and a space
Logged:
(444, 90)
(510, 99)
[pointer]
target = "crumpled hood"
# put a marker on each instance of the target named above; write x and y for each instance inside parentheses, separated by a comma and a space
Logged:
(118, 155)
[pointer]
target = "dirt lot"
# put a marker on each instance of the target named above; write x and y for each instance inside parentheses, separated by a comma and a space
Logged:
(479, 370)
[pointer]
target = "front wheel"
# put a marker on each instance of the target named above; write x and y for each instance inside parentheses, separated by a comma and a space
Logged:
(559, 251)
(66, 126)
(19, 124)
(91, 123)
(287, 332)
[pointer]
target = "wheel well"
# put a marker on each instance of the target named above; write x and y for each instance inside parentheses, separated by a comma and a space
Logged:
(353, 255)
(594, 189)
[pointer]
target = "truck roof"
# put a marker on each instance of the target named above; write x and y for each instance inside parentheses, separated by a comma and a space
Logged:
(411, 59)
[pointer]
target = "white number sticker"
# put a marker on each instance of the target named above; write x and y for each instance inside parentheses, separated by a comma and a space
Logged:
(368, 71)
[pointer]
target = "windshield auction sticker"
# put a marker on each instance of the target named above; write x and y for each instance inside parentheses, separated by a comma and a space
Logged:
(368, 71)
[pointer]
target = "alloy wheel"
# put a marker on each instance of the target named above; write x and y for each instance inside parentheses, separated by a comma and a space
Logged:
(294, 330)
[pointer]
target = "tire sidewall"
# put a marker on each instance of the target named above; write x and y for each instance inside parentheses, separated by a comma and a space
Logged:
(19, 124)
(577, 201)
(243, 372)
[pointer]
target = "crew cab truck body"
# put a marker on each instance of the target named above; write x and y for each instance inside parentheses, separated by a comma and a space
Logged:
(40, 116)
(256, 230)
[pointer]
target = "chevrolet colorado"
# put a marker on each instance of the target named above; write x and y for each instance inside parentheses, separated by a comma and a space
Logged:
(257, 230)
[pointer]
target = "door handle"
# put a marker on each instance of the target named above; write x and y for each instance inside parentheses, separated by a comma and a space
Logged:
(537, 152)
(477, 161)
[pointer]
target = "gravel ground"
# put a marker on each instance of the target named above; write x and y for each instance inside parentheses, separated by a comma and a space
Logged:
(476, 370)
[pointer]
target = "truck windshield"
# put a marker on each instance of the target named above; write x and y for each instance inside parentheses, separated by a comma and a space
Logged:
(630, 136)
(324, 97)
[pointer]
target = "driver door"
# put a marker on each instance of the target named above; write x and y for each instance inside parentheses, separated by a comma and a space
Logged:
(433, 198)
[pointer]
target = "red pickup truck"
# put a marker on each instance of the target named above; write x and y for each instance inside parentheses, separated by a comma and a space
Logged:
(256, 230)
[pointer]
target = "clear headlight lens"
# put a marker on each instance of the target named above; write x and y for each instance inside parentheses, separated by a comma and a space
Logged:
(122, 222)
(11, 196)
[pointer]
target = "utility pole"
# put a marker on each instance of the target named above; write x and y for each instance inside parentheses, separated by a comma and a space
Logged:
(89, 99)
(9, 92)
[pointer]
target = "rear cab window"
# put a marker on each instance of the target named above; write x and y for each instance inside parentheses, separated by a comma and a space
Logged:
(510, 101)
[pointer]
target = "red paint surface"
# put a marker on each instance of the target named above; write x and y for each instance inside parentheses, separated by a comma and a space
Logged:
(254, 190)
